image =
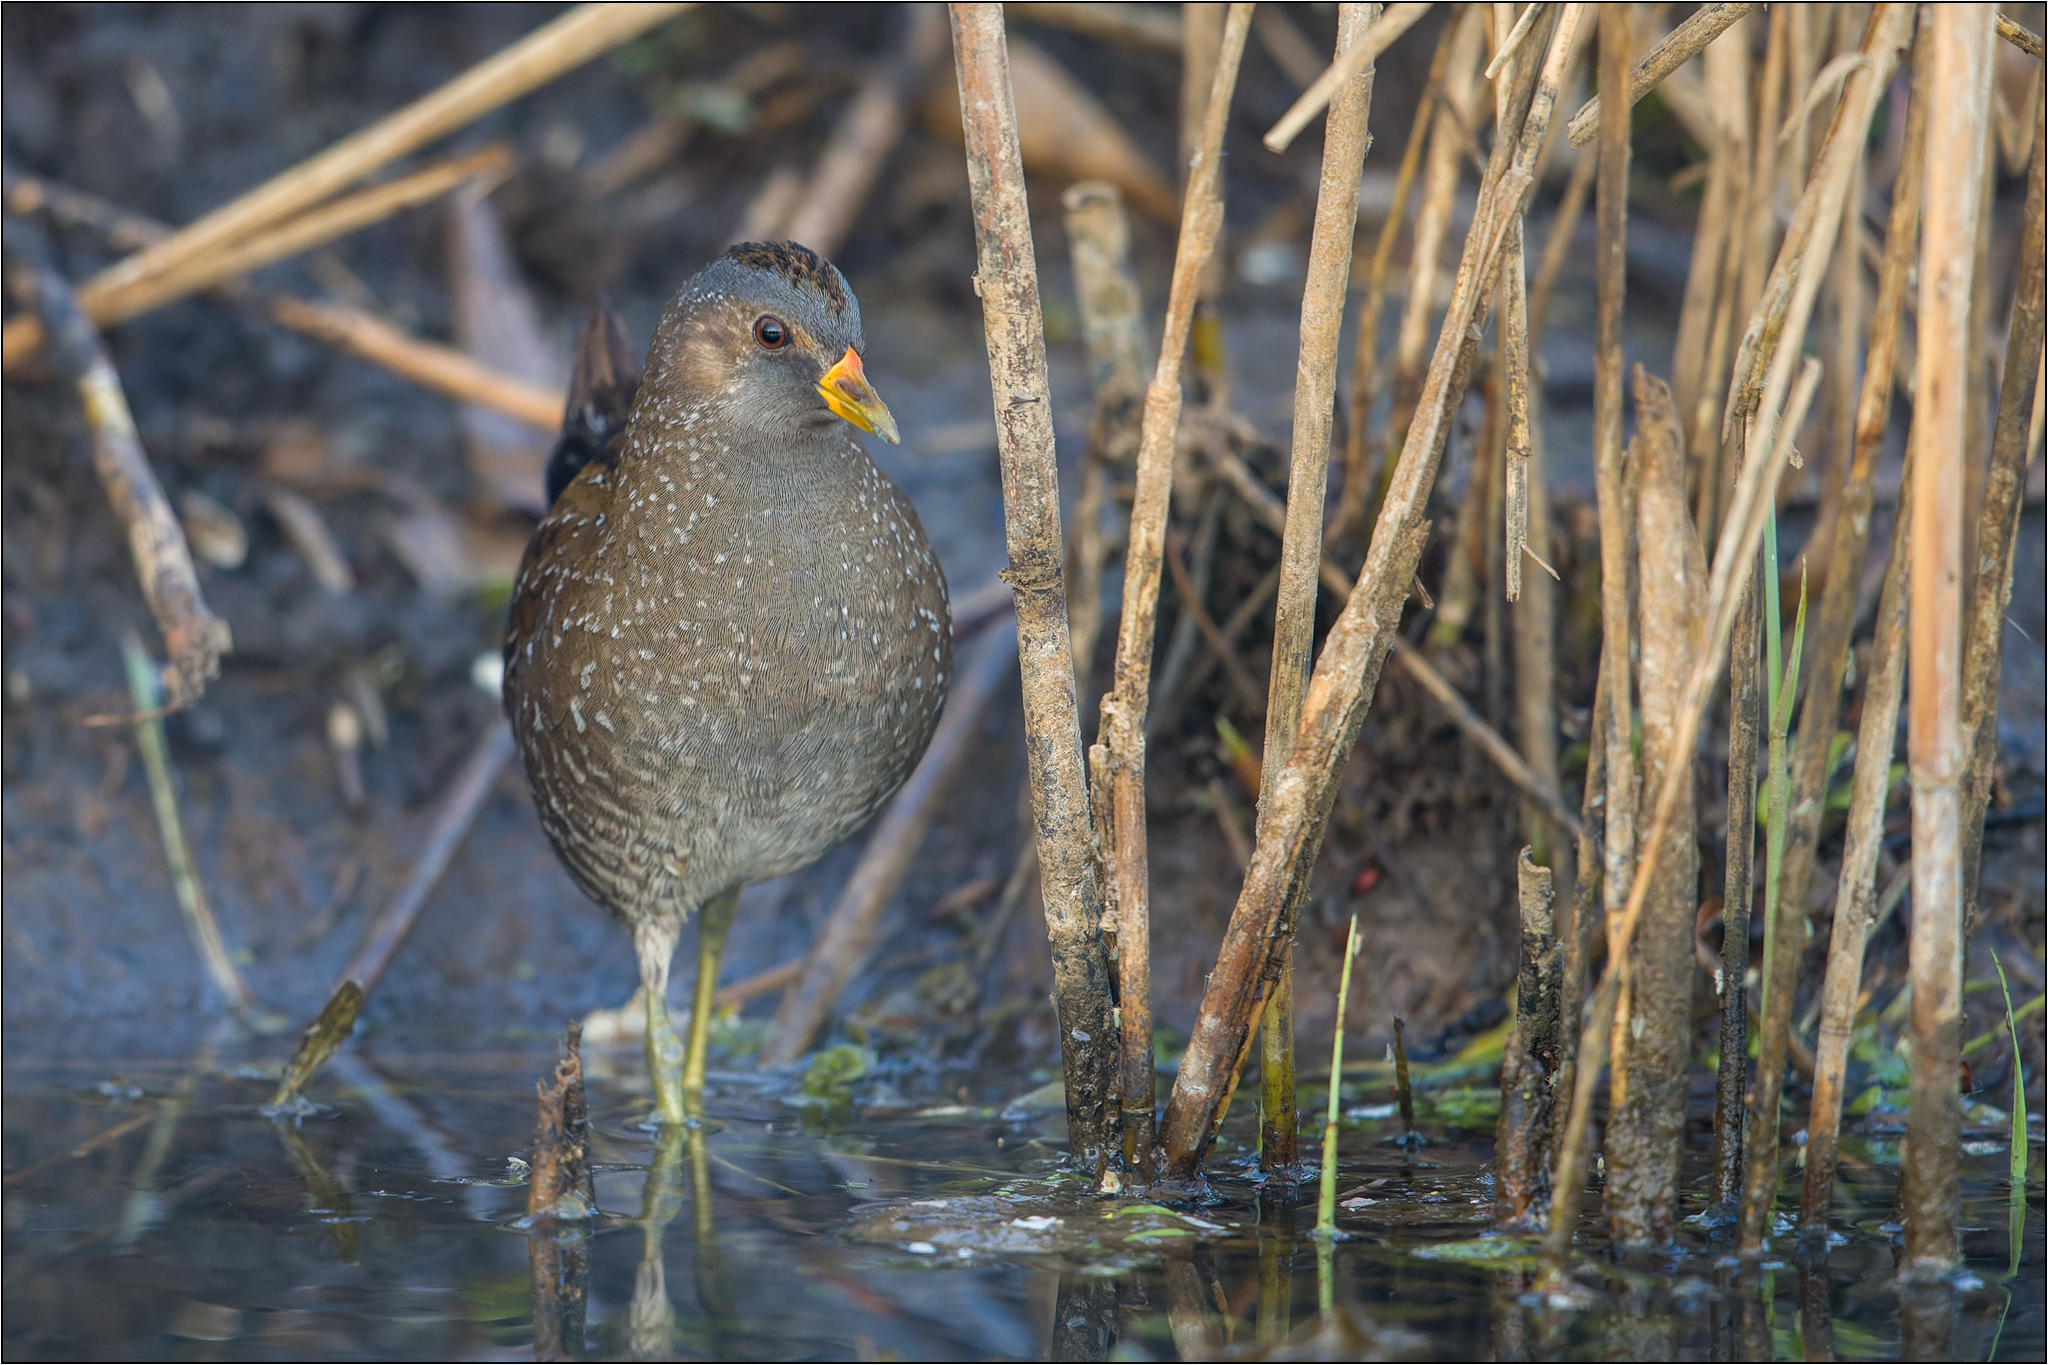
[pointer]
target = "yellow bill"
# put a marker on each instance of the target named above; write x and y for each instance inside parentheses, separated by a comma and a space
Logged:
(846, 391)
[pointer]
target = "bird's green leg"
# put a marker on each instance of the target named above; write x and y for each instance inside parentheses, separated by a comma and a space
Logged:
(655, 941)
(714, 922)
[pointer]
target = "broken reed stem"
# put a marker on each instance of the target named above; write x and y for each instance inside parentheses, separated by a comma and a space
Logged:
(1345, 137)
(194, 638)
(1299, 800)
(1201, 47)
(1363, 51)
(567, 42)
(1998, 529)
(841, 947)
(1856, 905)
(1958, 105)
(560, 1191)
(865, 135)
(1326, 1196)
(1007, 280)
(1122, 728)
(2020, 36)
(144, 693)
(1646, 1116)
(1745, 702)
(1522, 1142)
(1678, 47)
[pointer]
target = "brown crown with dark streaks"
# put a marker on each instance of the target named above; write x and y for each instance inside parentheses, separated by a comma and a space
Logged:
(798, 264)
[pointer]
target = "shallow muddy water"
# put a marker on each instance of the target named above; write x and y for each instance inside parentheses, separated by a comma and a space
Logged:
(152, 1212)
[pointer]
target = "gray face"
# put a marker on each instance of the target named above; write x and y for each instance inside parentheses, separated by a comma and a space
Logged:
(756, 338)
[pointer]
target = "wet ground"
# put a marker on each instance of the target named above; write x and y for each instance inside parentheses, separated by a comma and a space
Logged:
(154, 1213)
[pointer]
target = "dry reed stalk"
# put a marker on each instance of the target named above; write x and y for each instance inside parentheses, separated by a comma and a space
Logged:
(1367, 374)
(440, 368)
(194, 638)
(1678, 47)
(841, 947)
(1856, 905)
(1535, 666)
(1780, 314)
(1007, 280)
(2020, 36)
(1835, 621)
(1112, 327)
(1738, 892)
(1522, 1143)
(865, 135)
(1585, 920)
(1361, 54)
(1729, 96)
(567, 42)
(1122, 729)
(1201, 48)
(1614, 504)
(300, 235)
(1998, 531)
(1345, 137)
(1300, 797)
(1958, 106)
(1728, 102)
(1646, 1118)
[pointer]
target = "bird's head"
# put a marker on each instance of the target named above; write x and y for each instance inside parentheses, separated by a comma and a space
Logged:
(770, 333)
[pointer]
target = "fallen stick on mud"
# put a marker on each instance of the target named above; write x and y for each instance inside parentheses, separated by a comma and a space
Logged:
(559, 46)
(1678, 47)
(453, 815)
(1006, 278)
(194, 637)
(842, 945)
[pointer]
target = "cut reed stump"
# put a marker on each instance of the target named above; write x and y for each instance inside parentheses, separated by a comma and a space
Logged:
(1522, 1143)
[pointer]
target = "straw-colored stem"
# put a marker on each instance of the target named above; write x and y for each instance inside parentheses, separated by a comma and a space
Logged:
(1679, 46)
(1355, 58)
(1585, 918)
(1315, 398)
(1123, 710)
(1299, 800)
(556, 47)
(1998, 531)
(1856, 905)
(1007, 280)
(1958, 106)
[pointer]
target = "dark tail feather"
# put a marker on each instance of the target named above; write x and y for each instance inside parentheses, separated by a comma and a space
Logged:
(600, 398)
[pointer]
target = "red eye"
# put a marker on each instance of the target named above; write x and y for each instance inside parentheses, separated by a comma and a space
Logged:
(770, 332)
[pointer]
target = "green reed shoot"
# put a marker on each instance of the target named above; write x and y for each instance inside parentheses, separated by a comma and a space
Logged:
(1326, 1199)
(1781, 678)
(2016, 1217)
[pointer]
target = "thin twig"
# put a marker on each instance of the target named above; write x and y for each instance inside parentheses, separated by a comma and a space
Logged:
(1397, 20)
(1680, 46)
(1007, 280)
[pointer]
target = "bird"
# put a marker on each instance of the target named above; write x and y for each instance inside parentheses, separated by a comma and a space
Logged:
(729, 638)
